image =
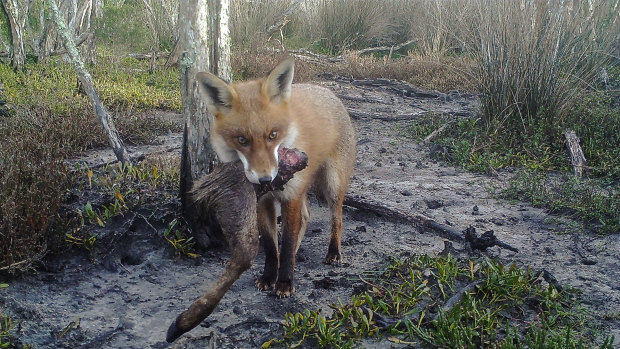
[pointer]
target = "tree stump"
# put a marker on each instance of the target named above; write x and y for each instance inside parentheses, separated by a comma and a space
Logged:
(578, 160)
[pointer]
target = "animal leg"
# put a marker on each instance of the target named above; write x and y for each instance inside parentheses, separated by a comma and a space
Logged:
(268, 230)
(292, 222)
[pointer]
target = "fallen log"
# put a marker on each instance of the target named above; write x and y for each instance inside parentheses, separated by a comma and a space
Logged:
(79, 41)
(383, 48)
(148, 55)
(423, 222)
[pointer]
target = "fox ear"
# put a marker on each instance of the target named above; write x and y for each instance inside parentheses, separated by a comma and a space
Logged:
(277, 86)
(218, 95)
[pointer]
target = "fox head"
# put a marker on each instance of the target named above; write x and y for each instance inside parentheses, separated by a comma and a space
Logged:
(251, 119)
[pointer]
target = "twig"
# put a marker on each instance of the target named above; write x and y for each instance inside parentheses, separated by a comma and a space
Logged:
(456, 298)
(437, 132)
(384, 321)
(105, 336)
(550, 279)
(370, 283)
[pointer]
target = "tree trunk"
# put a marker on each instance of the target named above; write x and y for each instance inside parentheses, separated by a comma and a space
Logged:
(199, 44)
(18, 53)
(84, 77)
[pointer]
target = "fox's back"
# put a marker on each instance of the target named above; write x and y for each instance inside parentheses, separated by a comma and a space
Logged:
(323, 122)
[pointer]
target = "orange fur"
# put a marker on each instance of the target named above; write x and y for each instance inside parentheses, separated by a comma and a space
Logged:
(251, 120)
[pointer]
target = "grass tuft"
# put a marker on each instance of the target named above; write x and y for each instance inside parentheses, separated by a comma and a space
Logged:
(593, 201)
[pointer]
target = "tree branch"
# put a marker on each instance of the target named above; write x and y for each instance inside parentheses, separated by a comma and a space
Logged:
(80, 40)
(84, 77)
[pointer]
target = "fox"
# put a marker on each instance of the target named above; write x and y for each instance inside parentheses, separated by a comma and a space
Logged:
(251, 121)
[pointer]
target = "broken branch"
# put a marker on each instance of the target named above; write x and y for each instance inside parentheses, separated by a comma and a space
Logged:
(456, 298)
(577, 159)
(419, 220)
(437, 132)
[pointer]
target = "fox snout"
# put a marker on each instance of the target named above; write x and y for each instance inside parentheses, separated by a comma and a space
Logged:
(262, 177)
(259, 168)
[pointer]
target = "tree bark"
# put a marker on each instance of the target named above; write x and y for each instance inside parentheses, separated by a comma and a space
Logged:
(84, 77)
(18, 53)
(203, 48)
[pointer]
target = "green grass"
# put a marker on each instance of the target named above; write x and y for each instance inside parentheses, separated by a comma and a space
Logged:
(121, 82)
(502, 306)
(7, 326)
(589, 200)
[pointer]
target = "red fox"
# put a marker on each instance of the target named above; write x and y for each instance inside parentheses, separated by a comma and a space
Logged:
(251, 121)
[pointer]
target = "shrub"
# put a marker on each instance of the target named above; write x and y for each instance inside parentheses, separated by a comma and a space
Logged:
(34, 180)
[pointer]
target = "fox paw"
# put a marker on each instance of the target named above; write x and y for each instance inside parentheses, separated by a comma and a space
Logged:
(333, 258)
(284, 289)
(264, 283)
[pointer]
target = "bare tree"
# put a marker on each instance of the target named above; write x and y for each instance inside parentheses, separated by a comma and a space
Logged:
(204, 46)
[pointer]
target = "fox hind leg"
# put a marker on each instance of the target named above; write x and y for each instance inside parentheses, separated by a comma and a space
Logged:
(334, 187)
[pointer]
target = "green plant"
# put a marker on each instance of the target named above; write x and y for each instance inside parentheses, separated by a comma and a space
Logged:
(448, 303)
(586, 199)
(6, 337)
(181, 244)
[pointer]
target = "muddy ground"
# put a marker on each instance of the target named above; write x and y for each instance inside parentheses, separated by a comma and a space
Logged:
(75, 302)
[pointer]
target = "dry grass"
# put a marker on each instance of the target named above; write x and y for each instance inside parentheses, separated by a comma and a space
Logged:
(257, 61)
(249, 19)
(533, 57)
(441, 73)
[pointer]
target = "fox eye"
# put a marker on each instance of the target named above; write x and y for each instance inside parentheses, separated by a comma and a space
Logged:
(242, 140)
(273, 135)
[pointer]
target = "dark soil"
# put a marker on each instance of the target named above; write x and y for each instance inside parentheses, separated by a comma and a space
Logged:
(126, 293)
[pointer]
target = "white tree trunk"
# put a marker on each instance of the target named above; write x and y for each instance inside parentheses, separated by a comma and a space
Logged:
(18, 53)
(222, 55)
